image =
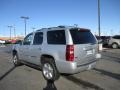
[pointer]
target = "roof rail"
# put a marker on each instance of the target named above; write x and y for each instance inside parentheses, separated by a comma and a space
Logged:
(61, 26)
(41, 29)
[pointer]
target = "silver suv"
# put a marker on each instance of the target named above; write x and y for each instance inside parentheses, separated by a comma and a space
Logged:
(114, 41)
(62, 49)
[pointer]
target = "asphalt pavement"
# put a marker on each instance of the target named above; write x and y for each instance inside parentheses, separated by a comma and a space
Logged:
(106, 75)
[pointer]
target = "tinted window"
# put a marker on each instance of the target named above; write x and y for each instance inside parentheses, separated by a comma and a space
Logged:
(38, 39)
(56, 37)
(82, 36)
(28, 39)
(116, 37)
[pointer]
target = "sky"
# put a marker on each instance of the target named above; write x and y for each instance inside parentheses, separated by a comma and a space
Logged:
(51, 13)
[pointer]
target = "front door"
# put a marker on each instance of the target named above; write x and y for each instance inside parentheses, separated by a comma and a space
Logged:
(24, 48)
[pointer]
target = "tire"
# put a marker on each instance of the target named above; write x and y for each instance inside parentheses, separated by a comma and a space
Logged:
(16, 61)
(49, 69)
(114, 45)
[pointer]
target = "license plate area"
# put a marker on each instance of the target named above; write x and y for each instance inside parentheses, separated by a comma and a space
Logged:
(89, 52)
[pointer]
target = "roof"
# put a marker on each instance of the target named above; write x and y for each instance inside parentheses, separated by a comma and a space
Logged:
(60, 28)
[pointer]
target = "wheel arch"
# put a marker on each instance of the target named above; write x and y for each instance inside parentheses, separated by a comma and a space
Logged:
(115, 43)
(14, 52)
(47, 56)
(56, 72)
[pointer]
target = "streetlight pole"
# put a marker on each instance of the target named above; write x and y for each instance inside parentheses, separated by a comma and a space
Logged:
(14, 32)
(99, 32)
(25, 18)
(10, 31)
(99, 18)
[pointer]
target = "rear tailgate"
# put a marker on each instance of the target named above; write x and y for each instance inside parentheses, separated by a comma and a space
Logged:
(84, 53)
(84, 45)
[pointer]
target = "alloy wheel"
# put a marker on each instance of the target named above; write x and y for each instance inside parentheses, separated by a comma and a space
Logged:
(47, 71)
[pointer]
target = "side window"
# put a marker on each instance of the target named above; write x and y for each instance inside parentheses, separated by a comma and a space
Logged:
(56, 37)
(38, 38)
(28, 39)
(116, 37)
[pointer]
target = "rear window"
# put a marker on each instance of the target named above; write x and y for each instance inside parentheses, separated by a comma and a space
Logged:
(56, 37)
(82, 36)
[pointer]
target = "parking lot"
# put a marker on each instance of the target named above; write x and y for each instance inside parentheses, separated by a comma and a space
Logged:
(106, 75)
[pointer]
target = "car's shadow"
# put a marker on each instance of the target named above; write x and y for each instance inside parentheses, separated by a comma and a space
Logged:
(107, 73)
(111, 57)
(6, 73)
(80, 82)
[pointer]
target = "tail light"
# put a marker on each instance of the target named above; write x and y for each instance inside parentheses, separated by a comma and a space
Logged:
(70, 53)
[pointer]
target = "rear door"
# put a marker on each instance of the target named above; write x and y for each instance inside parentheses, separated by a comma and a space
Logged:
(56, 44)
(84, 45)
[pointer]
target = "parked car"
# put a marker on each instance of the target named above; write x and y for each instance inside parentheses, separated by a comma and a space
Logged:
(18, 42)
(103, 39)
(114, 41)
(2, 41)
(99, 39)
(62, 49)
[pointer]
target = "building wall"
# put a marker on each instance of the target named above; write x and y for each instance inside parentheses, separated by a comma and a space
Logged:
(8, 38)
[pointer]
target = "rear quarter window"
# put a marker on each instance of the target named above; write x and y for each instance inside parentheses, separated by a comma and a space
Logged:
(56, 37)
(80, 36)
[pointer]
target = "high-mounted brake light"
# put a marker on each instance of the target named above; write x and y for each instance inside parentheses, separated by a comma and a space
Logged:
(70, 53)
(84, 30)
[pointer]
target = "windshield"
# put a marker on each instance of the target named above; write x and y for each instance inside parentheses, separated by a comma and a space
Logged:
(82, 36)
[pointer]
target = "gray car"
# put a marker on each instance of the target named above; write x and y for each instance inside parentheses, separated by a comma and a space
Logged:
(62, 49)
(114, 41)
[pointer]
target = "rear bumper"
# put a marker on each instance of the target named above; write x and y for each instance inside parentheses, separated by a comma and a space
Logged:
(72, 67)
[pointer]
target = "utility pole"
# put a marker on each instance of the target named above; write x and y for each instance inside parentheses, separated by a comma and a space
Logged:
(25, 19)
(10, 30)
